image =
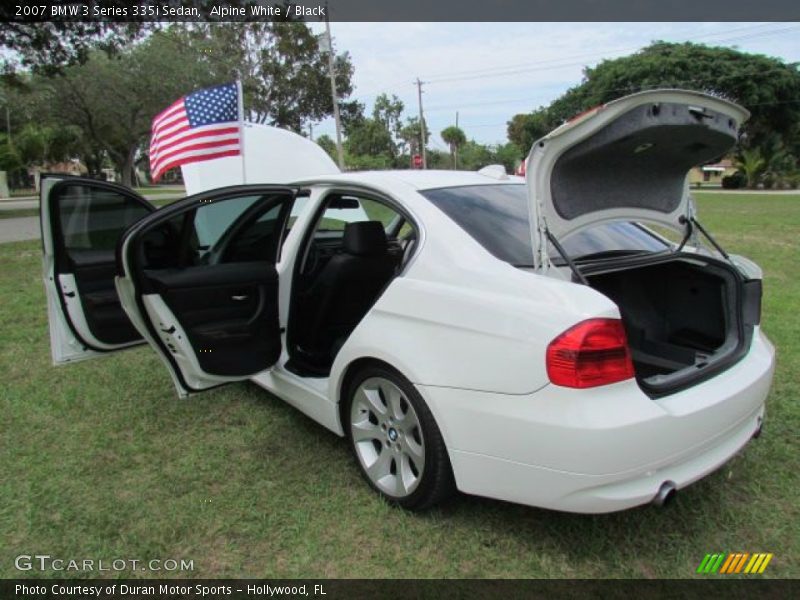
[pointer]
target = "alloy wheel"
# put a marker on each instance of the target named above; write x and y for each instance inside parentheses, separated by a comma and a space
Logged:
(387, 437)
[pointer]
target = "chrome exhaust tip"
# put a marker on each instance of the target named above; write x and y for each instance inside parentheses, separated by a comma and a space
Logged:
(665, 494)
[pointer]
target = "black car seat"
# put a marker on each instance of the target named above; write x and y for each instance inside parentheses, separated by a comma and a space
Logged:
(346, 288)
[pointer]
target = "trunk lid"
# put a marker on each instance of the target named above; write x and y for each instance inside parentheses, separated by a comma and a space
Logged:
(625, 161)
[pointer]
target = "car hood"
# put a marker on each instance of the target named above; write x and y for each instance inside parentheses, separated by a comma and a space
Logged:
(627, 160)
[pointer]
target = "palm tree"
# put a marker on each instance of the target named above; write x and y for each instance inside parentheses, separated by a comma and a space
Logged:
(750, 162)
(454, 137)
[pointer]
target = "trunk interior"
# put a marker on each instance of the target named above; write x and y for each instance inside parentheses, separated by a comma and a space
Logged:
(682, 316)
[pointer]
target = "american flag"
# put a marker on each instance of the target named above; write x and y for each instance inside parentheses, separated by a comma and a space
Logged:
(201, 126)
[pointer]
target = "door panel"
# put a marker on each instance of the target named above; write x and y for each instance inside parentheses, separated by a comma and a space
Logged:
(229, 313)
(82, 220)
(100, 302)
(209, 306)
(90, 221)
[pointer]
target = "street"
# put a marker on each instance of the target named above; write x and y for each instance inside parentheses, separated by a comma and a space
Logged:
(17, 230)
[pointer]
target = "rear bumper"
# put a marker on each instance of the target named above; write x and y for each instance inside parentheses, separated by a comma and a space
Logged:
(603, 449)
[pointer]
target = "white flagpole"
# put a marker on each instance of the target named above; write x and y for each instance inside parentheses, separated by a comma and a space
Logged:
(240, 101)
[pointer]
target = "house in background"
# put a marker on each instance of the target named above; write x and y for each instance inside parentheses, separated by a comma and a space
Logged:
(711, 174)
(68, 167)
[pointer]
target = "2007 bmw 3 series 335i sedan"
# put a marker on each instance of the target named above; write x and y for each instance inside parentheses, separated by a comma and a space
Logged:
(534, 340)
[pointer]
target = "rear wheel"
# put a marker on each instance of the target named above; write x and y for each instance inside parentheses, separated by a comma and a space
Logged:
(396, 441)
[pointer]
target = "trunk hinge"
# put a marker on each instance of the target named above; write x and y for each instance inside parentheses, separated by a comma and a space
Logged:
(693, 224)
(560, 249)
(542, 258)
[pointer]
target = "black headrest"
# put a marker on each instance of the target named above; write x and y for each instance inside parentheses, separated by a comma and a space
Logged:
(365, 238)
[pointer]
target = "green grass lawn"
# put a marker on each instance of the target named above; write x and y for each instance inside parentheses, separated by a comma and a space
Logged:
(101, 460)
(155, 190)
(16, 213)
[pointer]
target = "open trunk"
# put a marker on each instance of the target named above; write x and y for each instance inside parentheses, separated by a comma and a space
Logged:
(687, 316)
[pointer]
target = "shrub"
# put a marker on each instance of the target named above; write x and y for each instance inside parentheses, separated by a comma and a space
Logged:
(733, 181)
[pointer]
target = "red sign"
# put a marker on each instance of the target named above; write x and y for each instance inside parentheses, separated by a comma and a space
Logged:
(416, 161)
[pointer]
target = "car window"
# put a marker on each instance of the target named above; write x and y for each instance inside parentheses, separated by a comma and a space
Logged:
(378, 212)
(344, 209)
(214, 219)
(236, 229)
(255, 239)
(93, 218)
(300, 206)
(496, 216)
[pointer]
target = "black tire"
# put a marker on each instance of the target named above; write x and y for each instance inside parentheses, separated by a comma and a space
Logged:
(437, 482)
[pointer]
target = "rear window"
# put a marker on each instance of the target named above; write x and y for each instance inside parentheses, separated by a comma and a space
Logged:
(496, 216)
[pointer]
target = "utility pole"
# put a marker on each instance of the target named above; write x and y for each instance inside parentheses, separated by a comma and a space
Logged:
(311, 131)
(455, 150)
(334, 95)
(421, 124)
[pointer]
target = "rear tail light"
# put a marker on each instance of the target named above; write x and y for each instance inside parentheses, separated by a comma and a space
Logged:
(592, 353)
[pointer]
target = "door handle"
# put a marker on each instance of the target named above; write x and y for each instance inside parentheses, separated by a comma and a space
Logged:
(239, 298)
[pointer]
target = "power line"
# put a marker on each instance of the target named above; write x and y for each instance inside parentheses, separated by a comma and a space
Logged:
(449, 74)
(544, 66)
(557, 63)
(706, 80)
(505, 123)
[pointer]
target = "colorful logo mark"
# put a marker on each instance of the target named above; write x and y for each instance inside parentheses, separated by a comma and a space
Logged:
(736, 562)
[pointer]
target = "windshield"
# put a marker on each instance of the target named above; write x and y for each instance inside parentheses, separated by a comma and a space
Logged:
(496, 216)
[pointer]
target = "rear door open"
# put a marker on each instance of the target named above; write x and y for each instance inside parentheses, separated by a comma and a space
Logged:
(198, 281)
(81, 221)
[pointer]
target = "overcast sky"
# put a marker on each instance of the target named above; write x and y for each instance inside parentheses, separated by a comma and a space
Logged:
(491, 71)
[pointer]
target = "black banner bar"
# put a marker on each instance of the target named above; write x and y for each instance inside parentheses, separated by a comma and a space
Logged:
(399, 10)
(730, 588)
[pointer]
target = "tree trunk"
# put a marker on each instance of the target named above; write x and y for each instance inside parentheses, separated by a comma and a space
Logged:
(126, 169)
(93, 163)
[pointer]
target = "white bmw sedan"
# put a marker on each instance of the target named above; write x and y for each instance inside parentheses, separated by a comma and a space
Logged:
(526, 340)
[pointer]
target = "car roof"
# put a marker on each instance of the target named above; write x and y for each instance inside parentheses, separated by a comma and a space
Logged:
(424, 180)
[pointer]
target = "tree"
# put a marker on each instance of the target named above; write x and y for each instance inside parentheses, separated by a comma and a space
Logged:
(751, 163)
(39, 144)
(411, 136)
(768, 87)
(389, 112)
(454, 137)
(48, 46)
(524, 130)
(283, 67)
(9, 157)
(474, 156)
(508, 155)
(326, 143)
(780, 167)
(366, 162)
(114, 99)
(351, 115)
(438, 159)
(371, 138)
